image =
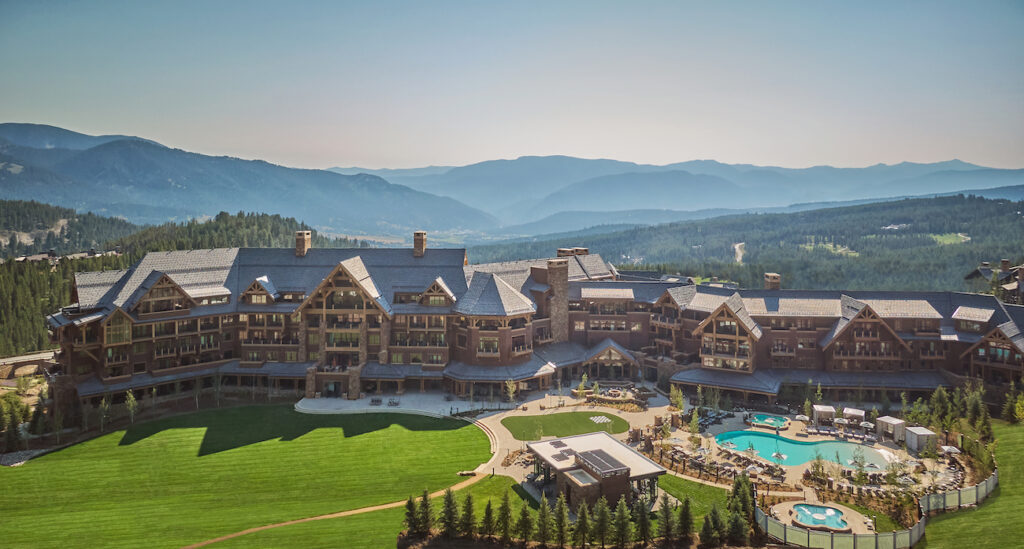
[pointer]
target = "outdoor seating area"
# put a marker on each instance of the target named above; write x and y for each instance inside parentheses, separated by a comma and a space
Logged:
(843, 434)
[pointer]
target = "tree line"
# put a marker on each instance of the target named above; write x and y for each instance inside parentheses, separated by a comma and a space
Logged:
(81, 232)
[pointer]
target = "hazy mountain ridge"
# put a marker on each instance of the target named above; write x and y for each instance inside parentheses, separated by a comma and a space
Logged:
(123, 173)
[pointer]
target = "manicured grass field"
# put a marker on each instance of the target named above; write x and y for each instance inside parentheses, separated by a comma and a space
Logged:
(185, 479)
(375, 529)
(996, 523)
(883, 522)
(561, 425)
(702, 496)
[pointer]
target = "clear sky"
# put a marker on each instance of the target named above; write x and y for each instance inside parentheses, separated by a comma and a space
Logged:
(405, 84)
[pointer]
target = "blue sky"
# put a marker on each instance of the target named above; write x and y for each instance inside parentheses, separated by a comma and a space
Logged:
(404, 84)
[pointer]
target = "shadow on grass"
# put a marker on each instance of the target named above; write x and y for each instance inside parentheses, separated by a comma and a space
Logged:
(231, 428)
(518, 490)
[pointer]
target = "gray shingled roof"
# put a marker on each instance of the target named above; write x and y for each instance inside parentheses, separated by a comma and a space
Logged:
(849, 309)
(769, 380)
(470, 372)
(642, 291)
(489, 295)
(604, 345)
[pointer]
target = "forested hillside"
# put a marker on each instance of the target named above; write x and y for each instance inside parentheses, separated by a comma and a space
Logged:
(916, 244)
(30, 291)
(31, 227)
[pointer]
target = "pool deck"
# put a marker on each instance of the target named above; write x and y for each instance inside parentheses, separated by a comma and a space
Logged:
(857, 522)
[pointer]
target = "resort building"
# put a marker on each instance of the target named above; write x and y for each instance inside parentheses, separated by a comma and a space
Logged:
(344, 322)
(586, 467)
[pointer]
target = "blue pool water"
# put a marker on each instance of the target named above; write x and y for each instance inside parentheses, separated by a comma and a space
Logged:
(798, 452)
(769, 420)
(820, 516)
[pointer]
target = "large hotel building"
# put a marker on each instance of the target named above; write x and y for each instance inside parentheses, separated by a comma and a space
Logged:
(345, 322)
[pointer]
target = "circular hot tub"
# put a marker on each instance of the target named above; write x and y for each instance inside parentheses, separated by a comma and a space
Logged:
(819, 517)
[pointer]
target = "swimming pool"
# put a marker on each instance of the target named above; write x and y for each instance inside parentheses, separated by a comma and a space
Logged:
(786, 451)
(769, 420)
(820, 516)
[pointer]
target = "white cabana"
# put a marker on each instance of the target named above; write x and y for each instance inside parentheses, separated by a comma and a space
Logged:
(822, 412)
(895, 428)
(855, 415)
(918, 437)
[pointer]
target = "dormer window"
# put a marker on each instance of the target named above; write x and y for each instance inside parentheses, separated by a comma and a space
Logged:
(437, 300)
(258, 299)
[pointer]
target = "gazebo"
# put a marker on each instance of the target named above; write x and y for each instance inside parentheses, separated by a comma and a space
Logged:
(892, 427)
(822, 411)
(918, 437)
(855, 415)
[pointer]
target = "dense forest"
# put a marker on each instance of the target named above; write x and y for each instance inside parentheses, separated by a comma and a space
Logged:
(54, 228)
(31, 290)
(914, 244)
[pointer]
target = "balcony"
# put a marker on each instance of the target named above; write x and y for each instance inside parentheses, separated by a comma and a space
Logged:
(282, 341)
(783, 351)
(608, 328)
(884, 355)
(343, 325)
(79, 342)
(209, 327)
(865, 334)
(542, 337)
(663, 339)
(164, 352)
(341, 344)
(188, 349)
(932, 355)
(725, 353)
(488, 328)
(488, 353)
(210, 346)
(117, 359)
(522, 350)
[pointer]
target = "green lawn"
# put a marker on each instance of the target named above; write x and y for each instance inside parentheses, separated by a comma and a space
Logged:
(883, 522)
(376, 529)
(996, 523)
(194, 477)
(561, 425)
(948, 238)
(702, 496)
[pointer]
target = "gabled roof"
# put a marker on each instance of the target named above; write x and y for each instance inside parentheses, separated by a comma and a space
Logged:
(489, 295)
(439, 282)
(606, 344)
(734, 304)
(97, 289)
(268, 286)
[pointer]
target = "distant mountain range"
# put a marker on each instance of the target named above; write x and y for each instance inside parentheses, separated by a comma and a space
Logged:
(146, 182)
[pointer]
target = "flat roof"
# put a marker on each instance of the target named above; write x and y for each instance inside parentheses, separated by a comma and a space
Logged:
(920, 431)
(602, 462)
(552, 453)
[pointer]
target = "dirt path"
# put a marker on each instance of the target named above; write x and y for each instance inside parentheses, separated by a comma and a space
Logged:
(739, 249)
(459, 486)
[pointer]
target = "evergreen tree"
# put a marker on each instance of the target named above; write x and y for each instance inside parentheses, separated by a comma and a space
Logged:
(643, 524)
(602, 521)
(561, 521)
(719, 523)
(685, 523)
(984, 425)
(622, 528)
(708, 534)
(412, 519)
(666, 526)
(1008, 412)
(504, 524)
(426, 521)
(467, 523)
(738, 529)
(581, 534)
(524, 526)
(449, 515)
(543, 522)
(131, 404)
(487, 523)
(35, 425)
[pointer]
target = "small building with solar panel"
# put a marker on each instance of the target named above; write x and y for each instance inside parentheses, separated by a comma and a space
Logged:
(586, 467)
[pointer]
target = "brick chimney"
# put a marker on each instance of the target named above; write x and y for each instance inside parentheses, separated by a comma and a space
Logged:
(772, 281)
(1004, 265)
(419, 243)
(303, 242)
(558, 279)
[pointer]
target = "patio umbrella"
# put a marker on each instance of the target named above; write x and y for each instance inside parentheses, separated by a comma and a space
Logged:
(754, 469)
(704, 450)
(867, 425)
(950, 450)
(801, 417)
(841, 421)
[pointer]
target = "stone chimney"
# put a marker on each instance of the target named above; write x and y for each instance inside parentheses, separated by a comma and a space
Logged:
(303, 242)
(1004, 265)
(419, 243)
(558, 279)
(580, 251)
(772, 281)
(564, 252)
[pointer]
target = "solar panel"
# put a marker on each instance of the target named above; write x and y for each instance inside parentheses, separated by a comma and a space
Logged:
(568, 452)
(558, 444)
(559, 457)
(601, 462)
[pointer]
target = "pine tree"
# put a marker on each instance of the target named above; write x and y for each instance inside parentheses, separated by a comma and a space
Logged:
(602, 521)
(708, 534)
(467, 522)
(543, 522)
(449, 515)
(738, 529)
(426, 521)
(622, 528)
(131, 404)
(666, 528)
(505, 519)
(411, 518)
(487, 523)
(581, 534)
(1008, 412)
(685, 522)
(719, 523)
(984, 425)
(524, 526)
(561, 521)
(643, 523)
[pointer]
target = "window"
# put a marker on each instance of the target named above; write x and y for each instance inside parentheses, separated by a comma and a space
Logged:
(291, 356)
(119, 330)
(397, 358)
(373, 339)
(437, 300)
(415, 358)
(579, 326)
(314, 339)
(139, 348)
(257, 299)
(314, 356)
(636, 327)
(487, 345)
(272, 356)
(226, 336)
(253, 356)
